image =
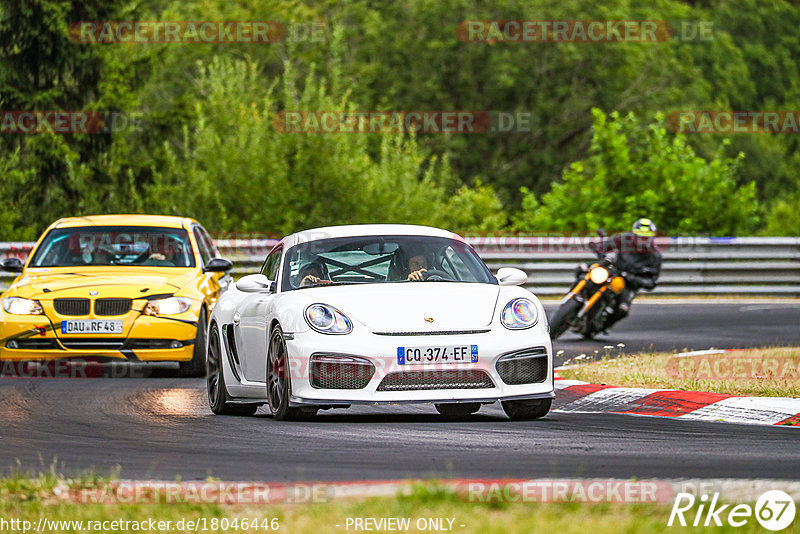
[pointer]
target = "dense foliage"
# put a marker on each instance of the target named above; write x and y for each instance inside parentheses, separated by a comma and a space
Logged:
(598, 153)
(633, 169)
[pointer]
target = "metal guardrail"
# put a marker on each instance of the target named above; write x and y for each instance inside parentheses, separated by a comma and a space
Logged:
(692, 265)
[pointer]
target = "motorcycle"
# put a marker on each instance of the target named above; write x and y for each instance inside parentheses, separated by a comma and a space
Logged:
(592, 299)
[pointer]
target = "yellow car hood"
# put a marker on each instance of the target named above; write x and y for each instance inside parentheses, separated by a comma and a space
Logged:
(121, 282)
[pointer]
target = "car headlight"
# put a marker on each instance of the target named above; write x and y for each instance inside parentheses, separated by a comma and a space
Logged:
(519, 314)
(327, 319)
(168, 306)
(20, 306)
(598, 275)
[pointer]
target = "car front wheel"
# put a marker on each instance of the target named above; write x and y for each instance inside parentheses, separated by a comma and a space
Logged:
(524, 410)
(279, 382)
(197, 365)
(218, 398)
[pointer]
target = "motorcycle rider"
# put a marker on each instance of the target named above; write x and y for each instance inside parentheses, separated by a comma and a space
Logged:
(638, 258)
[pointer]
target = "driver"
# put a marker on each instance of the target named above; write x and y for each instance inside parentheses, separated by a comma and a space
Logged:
(417, 266)
(167, 258)
(313, 273)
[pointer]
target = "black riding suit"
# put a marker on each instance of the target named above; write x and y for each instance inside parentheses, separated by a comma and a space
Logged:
(639, 261)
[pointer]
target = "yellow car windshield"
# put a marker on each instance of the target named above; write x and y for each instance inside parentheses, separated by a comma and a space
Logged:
(114, 246)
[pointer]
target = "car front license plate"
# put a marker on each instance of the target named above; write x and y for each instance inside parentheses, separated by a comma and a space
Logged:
(91, 327)
(446, 354)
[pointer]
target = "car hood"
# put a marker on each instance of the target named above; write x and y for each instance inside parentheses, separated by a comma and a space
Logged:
(408, 306)
(121, 282)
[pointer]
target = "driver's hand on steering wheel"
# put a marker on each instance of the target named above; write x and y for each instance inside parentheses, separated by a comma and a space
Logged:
(309, 280)
(418, 276)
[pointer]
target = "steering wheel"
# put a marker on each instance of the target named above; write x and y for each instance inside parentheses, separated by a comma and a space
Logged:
(435, 275)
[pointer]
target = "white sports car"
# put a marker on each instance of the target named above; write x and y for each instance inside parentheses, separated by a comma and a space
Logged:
(378, 314)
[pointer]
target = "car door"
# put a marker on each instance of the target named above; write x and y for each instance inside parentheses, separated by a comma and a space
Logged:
(252, 328)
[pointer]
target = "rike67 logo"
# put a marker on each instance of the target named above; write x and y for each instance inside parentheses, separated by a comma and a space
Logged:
(774, 510)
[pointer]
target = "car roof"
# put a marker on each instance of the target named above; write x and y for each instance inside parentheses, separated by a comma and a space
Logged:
(162, 221)
(329, 232)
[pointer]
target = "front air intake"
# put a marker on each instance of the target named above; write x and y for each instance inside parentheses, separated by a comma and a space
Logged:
(436, 379)
(340, 371)
(524, 367)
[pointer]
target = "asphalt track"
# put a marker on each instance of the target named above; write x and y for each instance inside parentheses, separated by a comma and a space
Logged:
(161, 428)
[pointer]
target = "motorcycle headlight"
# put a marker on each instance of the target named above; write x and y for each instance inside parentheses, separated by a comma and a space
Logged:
(327, 319)
(598, 275)
(168, 306)
(20, 306)
(519, 314)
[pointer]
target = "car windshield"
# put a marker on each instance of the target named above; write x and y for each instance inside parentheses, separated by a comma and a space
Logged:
(114, 245)
(382, 259)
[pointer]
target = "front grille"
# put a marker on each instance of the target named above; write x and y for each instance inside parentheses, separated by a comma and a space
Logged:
(32, 344)
(436, 379)
(524, 367)
(93, 343)
(340, 372)
(107, 307)
(72, 307)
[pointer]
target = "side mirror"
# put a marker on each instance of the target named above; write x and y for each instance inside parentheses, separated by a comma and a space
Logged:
(218, 265)
(255, 283)
(509, 276)
(12, 265)
(601, 232)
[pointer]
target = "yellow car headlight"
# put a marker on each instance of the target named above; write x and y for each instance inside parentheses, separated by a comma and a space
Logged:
(20, 306)
(168, 306)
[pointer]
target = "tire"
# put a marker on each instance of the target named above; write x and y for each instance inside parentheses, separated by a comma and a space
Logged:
(279, 382)
(561, 319)
(456, 410)
(526, 410)
(218, 399)
(197, 365)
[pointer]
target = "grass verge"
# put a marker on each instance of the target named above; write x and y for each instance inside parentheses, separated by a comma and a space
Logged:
(764, 372)
(29, 500)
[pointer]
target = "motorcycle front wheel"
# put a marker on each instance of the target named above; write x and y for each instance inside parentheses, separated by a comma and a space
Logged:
(563, 317)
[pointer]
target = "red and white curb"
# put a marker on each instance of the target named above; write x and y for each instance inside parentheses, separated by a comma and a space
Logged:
(577, 396)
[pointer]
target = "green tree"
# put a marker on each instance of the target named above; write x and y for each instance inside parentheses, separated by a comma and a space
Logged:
(237, 172)
(637, 170)
(41, 69)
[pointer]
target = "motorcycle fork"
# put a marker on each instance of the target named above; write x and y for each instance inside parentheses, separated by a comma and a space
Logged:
(592, 300)
(575, 290)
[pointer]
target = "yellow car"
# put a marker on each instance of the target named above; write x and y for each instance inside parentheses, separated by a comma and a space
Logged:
(125, 287)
